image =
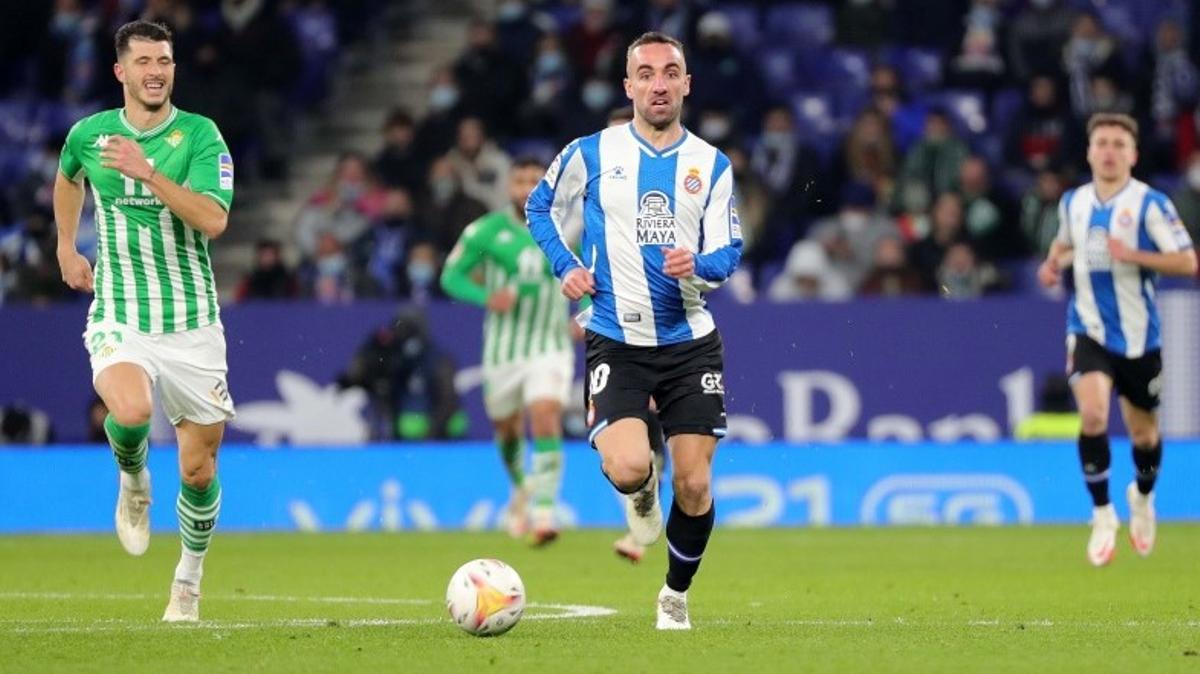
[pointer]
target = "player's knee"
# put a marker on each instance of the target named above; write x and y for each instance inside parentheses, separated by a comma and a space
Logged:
(692, 488)
(200, 475)
(626, 473)
(1093, 419)
(130, 412)
(1144, 437)
(545, 426)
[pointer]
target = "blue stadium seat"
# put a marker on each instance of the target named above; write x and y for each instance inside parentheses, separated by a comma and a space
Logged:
(967, 109)
(920, 68)
(816, 120)
(804, 25)
(780, 70)
(1006, 104)
(746, 23)
(846, 73)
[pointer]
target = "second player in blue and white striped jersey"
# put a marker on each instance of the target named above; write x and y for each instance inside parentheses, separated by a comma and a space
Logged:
(1113, 302)
(636, 202)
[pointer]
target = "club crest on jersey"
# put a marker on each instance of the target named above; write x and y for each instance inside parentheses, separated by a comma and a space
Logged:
(692, 182)
(655, 221)
(175, 138)
(1125, 219)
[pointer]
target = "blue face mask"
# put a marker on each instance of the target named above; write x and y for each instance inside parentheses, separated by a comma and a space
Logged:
(443, 97)
(550, 62)
(420, 274)
(597, 95)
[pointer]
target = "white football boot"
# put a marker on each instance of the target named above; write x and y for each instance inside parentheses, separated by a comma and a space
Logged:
(1142, 525)
(1102, 545)
(672, 610)
(643, 512)
(133, 516)
(184, 606)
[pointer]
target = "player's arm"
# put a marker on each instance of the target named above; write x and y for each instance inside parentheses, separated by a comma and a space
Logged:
(1174, 256)
(722, 249)
(68, 204)
(457, 278)
(558, 192)
(199, 211)
(1062, 251)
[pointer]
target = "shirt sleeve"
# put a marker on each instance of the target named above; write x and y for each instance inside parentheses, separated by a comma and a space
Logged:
(1064, 219)
(721, 243)
(211, 170)
(1165, 228)
(69, 162)
(467, 254)
(551, 204)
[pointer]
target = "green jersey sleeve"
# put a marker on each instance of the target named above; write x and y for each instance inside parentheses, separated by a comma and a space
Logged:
(467, 254)
(69, 162)
(211, 169)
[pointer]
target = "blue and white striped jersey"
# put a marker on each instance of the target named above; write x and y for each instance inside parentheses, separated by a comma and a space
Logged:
(635, 201)
(1113, 302)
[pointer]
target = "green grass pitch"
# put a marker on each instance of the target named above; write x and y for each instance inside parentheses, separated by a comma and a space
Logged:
(782, 600)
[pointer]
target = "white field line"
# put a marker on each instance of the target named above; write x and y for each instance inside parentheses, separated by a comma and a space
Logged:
(69, 625)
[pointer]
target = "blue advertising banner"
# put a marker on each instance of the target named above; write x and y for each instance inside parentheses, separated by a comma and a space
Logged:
(462, 486)
(919, 369)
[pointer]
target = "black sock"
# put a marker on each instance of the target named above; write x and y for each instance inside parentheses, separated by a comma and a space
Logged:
(687, 537)
(1095, 457)
(1147, 460)
(636, 489)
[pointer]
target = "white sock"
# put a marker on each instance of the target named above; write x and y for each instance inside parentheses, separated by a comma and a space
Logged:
(190, 567)
(137, 482)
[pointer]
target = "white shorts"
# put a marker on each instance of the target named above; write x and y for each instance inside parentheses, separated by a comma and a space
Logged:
(508, 389)
(186, 368)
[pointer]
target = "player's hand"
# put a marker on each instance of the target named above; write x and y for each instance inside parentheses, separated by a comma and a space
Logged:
(577, 283)
(126, 156)
(76, 270)
(678, 263)
(1118, 251)
(502, 300)
(1049, 274)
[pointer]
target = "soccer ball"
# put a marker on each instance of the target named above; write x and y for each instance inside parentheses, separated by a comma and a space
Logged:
(485, 597)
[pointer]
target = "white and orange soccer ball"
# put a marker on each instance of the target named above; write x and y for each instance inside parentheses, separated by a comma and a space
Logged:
(485, 597)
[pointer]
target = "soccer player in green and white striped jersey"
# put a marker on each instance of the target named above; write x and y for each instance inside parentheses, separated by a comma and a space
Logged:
(162, 180)
(528, 355)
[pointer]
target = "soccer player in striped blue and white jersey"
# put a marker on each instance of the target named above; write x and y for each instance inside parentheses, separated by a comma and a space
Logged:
(1119, 235)
(660, 228)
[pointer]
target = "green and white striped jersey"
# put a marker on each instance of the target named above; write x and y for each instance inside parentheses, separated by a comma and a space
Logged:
(509, 258)
(153, 272)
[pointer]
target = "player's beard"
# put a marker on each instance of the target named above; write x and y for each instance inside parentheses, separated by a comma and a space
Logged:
(154, 106)
(663, 121)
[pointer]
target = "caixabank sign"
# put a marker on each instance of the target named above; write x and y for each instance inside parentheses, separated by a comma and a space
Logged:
(462, 486)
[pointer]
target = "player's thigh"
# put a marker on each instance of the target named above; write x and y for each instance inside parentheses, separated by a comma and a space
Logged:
(193, 377)
(547, 391)
(691, 396)
(1139, 384)
(617, 387)
(502, 390)
(123, 370)
(1092, 375)
(198, 445)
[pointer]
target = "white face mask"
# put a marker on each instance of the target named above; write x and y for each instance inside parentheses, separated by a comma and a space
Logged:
(1193, 177)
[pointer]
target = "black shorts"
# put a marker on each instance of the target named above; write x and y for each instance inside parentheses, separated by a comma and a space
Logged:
(686, 381)
(1135, 379)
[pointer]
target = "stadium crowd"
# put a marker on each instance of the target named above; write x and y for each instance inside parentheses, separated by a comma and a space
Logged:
(879, 147)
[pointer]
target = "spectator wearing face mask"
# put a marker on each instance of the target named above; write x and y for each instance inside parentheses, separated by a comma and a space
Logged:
(961, 275)
(438, 129)
(419, 283)
(482, 167)
(1037, 36)
(935, 161)
(447, 210)
(792, 174)
(397, 163)
(270, 278)
(1187, 197)
(1091, 53)
(550, 83)
(343, 208)
(851, 237)
(807, 275)
(721, 74)
(492, 86)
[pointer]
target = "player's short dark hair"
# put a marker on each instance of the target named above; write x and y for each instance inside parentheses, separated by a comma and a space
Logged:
(141, 29)
(652, 37)
(528, 161)
(1112, 119)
